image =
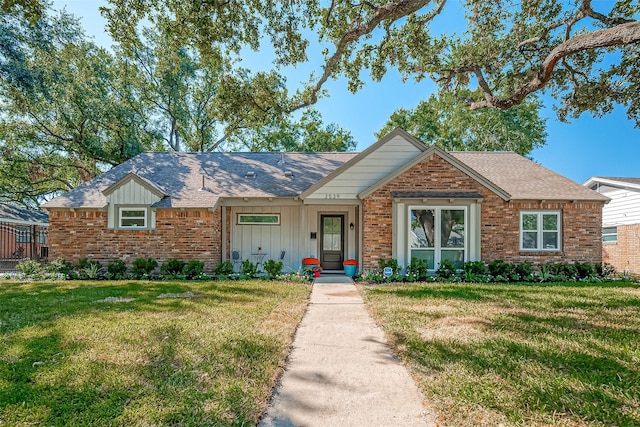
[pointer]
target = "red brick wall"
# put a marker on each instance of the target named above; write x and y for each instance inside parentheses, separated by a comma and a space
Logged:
(624, 254)
(181, 234)
(500, 228)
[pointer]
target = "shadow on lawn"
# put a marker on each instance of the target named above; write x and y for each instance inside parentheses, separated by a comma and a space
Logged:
(48, 302)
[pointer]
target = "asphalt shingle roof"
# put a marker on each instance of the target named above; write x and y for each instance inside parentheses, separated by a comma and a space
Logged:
(11, 212)
(524, 179)
(180, 176)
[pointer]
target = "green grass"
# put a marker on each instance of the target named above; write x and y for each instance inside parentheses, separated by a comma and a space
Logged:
(518, 355)
(80, 354)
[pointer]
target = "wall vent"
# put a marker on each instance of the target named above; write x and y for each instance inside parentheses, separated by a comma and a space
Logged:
(288, 174)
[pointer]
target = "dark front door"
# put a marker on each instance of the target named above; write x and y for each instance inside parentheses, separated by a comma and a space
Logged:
(332, 242)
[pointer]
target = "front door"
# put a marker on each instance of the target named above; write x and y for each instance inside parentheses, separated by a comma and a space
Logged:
(332, 242)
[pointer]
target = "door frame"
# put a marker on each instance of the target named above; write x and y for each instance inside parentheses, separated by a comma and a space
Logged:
(343, 237)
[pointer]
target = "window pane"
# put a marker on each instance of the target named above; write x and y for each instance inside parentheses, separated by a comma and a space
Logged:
(258, 219)
(427, 255)
(332, 234)
(550, 222)
(452, 228)
(550, 240)
(422, 228)
(610, 238)
(133, 218)
(530, 222)
(610, 230)
(529, 240)
(455, 256)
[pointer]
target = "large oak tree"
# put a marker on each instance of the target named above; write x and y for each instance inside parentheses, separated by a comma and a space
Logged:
(584, 53)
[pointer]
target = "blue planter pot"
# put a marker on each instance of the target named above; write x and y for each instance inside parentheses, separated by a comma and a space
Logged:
(350, 270)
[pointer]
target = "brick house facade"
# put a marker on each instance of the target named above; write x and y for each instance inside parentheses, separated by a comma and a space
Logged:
(184, 234)
(397, 199)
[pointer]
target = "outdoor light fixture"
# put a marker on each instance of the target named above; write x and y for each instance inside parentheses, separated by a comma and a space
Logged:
(351, 226)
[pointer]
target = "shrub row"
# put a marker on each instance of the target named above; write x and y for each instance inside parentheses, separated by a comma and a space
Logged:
(495, 271)
(146, 268)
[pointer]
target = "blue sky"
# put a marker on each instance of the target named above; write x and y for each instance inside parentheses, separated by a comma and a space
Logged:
(585, 147)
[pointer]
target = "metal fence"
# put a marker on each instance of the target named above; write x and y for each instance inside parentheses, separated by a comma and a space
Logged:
(21, 242)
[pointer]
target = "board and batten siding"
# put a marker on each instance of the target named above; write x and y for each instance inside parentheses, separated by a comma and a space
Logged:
(293, 235)
(369, 170)
(271, 238)
(624, 207)
(131, 193)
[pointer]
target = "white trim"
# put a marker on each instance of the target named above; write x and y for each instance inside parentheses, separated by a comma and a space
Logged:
(437, 246)
(133, 208)
(540, 231)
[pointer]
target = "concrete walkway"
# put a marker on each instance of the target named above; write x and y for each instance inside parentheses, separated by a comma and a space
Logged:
(341, 372)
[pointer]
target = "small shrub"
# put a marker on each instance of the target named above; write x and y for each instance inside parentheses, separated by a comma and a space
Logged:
(172, 268)
(116, 269)
(500, 268)
(446, 270)
(249, 269)
(524, 269)
(392, 263)
(92, 270)
(224, 269)
(584, 269)
(60, 266)
(193, 269)
(273, 268)
(30, 269)
(474, 267)
(142, 267)
(417, 269)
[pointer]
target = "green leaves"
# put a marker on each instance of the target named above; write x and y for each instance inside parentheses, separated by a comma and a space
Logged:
(446, 121)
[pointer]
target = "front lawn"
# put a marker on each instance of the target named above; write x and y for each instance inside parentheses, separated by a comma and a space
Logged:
(143, 353)
(529, 355)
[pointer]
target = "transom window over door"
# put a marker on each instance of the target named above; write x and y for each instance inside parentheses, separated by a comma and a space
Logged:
(438, 233)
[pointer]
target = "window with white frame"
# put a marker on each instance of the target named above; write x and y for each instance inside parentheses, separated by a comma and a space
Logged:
(540, 231)
(610, 234)
(131, 217)
(438, 233)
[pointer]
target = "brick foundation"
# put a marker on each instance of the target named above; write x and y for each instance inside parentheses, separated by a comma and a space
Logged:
(192, 234)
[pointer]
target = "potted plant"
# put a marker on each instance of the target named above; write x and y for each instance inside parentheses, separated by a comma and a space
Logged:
(316, 271)
(350, 266)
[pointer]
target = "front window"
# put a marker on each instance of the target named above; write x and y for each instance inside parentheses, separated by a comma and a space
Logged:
(610, 234)
(540, 231)
(438, 233)
(133, 218)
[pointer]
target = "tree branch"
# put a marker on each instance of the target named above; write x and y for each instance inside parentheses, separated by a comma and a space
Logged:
(621, 35)
(390, 11)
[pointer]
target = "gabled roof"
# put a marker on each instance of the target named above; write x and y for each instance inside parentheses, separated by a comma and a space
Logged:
(131, 176)
(447, 157)
(180, 177)
(196, 180)
(12, 213)
(361, 156)
(523, 179)
(613, 181)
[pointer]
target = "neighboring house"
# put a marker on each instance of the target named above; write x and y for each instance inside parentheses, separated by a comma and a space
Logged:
(23, 235)
(397, 199)
(620, 221)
